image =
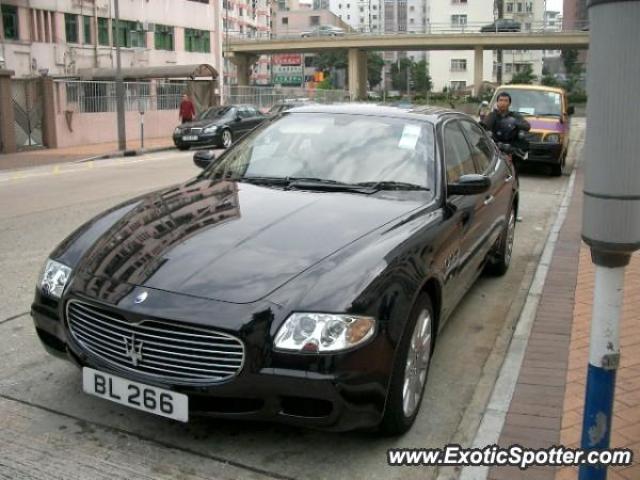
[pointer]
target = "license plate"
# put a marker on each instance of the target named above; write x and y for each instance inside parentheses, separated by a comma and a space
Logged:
(136, 395)
(190, 138)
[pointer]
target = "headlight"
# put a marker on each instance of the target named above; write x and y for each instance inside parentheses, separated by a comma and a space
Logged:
(323, 332)
(177, 131)
(210, 129)
(552, 138)
(54, 278)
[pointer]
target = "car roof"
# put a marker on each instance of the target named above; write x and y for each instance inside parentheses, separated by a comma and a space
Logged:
(428, 113)
(541, 88)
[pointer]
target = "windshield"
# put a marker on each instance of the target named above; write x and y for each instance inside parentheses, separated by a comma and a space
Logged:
(342, 148)
(215, 113)
(535, 102)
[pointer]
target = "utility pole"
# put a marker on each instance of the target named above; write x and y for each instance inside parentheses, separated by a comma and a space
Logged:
(122, 136)
(500, 4)
(611, 218)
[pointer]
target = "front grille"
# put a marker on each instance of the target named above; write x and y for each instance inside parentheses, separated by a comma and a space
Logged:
(165, 350)
(194, 130)
(534, 136)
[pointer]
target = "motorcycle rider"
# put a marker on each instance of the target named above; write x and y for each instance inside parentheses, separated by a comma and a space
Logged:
(506, 126)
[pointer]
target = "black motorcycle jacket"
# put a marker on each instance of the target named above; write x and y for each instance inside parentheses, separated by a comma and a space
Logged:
(505, 128)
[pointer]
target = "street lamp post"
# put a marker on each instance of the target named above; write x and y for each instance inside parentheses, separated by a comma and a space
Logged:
(122, 138)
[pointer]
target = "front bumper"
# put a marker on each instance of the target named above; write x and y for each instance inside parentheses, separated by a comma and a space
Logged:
(202, 141)
(339, 392)
(549, 153)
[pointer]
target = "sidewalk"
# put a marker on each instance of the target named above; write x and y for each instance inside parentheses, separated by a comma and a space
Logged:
(35, 158)
(548, 401)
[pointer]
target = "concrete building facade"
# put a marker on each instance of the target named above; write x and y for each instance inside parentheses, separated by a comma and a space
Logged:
(59, 37)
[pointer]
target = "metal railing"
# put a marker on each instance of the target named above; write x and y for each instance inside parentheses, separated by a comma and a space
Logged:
(266, 97)
(83, 96)
(430, 28)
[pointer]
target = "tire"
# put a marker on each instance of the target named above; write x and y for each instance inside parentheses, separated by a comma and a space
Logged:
(556, 170)
(183, 147)
(403, 402)
(501, 258)
(226, 139)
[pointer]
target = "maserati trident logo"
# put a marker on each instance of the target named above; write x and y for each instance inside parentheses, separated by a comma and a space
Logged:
(133, 349)
(141, 297)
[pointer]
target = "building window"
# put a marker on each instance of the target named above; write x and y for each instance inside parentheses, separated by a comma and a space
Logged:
(458, 20)
(348, 17)
(519, 9)
(197, 40)
(361, 9)
(375, 17)
(285, 20)
(529, 7)
(458, 65)
(527, 27)
(459, 2)
(163, 37)
(103, 31)
(71, 27)
(508, 68)
(458, 85)
(509, 7)
(130, 34)
(86, 29)
(411, 8)
(10, 22)
(314, 20)
(411, 20)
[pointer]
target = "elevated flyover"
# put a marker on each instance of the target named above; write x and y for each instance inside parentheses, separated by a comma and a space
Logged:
(243, 51)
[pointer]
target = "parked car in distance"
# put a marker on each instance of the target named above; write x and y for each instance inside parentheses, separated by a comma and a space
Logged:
(218, 126)
(547, 110)
(301, 278)
(323, 31)
(502, 25)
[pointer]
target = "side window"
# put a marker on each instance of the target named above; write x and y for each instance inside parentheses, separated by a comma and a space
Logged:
(457, 155)
(482, 150)
(253, 112)
(244, 112)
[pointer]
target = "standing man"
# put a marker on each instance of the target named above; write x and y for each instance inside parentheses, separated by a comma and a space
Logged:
(187, 110)
(505, 126)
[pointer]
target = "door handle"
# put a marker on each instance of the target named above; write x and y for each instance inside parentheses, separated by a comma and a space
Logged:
(489, 199)
(508, 178)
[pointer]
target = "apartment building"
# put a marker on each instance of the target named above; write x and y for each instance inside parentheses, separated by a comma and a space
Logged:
(59, 37)
(247, 19)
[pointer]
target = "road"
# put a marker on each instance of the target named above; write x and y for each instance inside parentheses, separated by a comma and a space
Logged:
(50, 429)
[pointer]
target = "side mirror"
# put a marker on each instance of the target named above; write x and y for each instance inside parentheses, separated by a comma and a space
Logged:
(472, 184)
(571, 110)
(238, 118)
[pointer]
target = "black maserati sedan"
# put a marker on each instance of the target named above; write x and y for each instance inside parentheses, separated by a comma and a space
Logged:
(303, 277)
(217, 126)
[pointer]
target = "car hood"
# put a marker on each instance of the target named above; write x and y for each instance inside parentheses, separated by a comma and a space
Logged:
(546, 124)
(233, 242)
(203, 123)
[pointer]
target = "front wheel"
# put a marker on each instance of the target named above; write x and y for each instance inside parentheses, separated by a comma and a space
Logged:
(227, 138)
(410, 369)
(499, 264)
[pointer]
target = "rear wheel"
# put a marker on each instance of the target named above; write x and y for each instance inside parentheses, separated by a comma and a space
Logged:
(410, 370)
(501, 259)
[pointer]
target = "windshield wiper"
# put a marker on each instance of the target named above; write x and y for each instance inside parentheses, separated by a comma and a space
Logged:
(311, 183)
(265, 180)
(390, 185)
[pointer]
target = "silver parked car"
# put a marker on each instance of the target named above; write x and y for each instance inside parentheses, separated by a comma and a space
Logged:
(323, 31)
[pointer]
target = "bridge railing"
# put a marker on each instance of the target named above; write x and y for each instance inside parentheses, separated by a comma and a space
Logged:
(521, 25)
(266, 97)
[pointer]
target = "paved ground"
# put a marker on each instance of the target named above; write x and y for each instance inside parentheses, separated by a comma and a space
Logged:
(50, 156)
(50, 429)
